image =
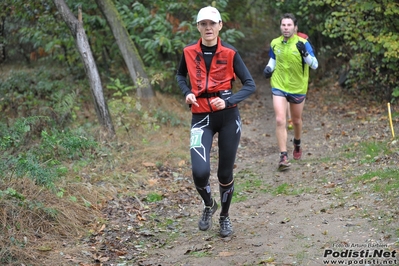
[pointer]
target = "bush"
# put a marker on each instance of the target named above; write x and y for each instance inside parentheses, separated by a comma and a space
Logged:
(40, 157)
(41, 92)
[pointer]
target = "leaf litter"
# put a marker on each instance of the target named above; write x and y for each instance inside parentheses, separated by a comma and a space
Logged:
(321, 208)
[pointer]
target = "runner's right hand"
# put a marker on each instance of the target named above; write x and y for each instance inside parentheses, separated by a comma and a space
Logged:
(191, 99)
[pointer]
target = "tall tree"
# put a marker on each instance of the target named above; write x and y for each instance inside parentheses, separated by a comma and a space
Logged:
(2, 21)
(127, 48)
(79, 34)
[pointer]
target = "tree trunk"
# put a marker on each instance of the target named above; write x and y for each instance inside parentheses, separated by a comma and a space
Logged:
(2, 38)
(128, 49)
(78, 33)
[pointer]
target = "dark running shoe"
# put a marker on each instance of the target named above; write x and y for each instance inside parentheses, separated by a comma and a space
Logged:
(206, 220)
(226, 229)
(297, 153)
(283, 164)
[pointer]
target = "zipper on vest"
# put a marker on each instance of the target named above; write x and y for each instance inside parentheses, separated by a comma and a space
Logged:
(206, 90)
(207, 82)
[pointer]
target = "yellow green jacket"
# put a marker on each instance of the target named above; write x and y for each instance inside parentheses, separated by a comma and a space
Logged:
(291, 70)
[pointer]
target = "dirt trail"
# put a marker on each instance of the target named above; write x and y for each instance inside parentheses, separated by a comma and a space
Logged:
(317, 210)
(289, 218)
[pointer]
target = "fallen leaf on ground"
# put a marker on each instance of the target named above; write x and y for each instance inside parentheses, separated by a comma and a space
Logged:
(45, 248)
(225, 254)
(149, 164)
(329, 185)
(371, 180)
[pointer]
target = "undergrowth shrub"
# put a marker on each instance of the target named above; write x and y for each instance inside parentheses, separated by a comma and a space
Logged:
(39, 92)
(41, 157)
(169, 118)
(129, 112)
(27, 164)
(20, 133)
(160, 41)
(65, 145)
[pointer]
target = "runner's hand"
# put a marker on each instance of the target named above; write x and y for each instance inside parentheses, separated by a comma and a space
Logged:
(219, 103)
(267, 72)
(191, 99)
(302, 49)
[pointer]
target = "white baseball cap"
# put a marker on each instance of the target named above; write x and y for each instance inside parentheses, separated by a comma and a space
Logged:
(210, 13)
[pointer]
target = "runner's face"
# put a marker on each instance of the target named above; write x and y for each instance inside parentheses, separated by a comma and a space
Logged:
(209, 31)
(287, 28)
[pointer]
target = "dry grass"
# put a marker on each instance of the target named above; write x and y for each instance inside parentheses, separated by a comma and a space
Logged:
(36, 225)
(37, 221)
(147, 141)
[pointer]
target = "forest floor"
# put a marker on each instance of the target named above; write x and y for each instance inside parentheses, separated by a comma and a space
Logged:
(330, 205)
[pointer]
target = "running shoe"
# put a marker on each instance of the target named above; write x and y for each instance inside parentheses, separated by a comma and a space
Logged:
(283, 164)
(297, 153)
(206, 220)
(226, 229)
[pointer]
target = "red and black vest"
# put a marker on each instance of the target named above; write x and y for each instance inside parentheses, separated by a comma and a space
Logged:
(219, 78)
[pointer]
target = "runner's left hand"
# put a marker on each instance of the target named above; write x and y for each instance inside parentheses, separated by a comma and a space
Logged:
(219, 103)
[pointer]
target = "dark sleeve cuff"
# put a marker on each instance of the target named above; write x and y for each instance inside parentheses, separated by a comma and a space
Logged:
(227, 103)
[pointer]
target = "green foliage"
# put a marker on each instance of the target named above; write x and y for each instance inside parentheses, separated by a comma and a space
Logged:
(36, 31)
(371, 150)
(65, 145)
(157, 40)
(364, 34)
(34, 26)
(282, 189)
(12, 193)
(119, 88)
(383, 181)
(161, 29)
(17, 135)
(369, 33)
(166, 117)
(28, 165)
(154, 197)
(39, 92)
(248, 182)
(367, 151)
(121, 108)
(40, 161)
